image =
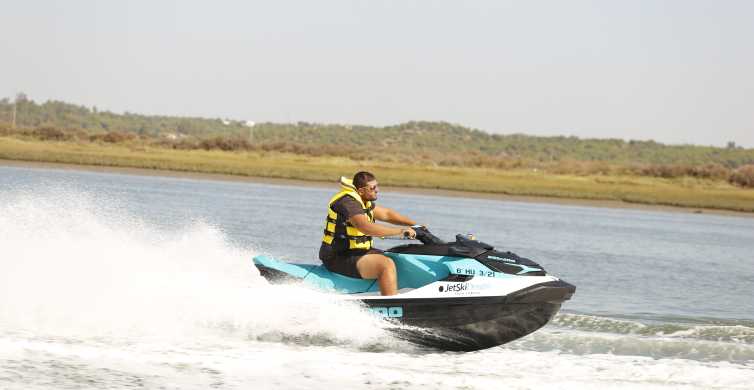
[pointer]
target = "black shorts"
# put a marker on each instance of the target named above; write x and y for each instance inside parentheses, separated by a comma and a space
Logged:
(343, 263)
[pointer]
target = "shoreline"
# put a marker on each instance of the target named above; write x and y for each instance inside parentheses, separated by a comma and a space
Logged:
(614, 204)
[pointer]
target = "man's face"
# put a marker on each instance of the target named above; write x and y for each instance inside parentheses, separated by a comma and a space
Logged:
(369, 192)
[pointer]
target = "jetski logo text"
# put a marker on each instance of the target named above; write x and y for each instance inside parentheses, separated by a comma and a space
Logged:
(464, 288)
(457, 287)
(392, 312)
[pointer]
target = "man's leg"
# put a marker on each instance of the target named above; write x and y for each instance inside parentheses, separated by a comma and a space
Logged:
(382, 268)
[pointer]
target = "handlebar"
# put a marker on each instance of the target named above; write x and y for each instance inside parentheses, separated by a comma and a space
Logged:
(422, 235)
(425, 237)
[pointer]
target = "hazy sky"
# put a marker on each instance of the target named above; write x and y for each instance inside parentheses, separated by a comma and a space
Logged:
(673, 71)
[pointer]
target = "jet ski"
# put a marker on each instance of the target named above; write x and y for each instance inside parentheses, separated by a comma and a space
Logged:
(458, 296)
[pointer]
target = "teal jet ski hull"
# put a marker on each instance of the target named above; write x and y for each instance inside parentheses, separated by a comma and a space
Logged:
(461, 296)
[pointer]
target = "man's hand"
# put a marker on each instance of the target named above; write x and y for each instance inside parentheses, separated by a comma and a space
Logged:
(408, 232)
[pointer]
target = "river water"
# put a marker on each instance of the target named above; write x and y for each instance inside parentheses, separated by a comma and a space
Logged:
(125, 281)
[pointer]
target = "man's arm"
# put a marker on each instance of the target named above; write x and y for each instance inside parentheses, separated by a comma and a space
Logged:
(367, 227)
(391, 216)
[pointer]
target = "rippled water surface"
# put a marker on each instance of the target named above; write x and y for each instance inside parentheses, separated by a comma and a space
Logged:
(124, 281)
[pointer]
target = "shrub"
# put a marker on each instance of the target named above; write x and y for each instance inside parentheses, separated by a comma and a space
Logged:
(711, 171)
(113, 137)
(224, 143)
(666, 170)
(116, 137)
(184, 144)
(49, 134)
(743, 176)
(5, 130)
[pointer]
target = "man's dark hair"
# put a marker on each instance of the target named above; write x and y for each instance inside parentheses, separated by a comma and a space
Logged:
(360, 179)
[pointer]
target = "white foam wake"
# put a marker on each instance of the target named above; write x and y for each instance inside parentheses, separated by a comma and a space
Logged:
(74, 265)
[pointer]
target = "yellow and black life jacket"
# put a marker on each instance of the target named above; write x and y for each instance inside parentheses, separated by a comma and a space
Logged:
(338, 230)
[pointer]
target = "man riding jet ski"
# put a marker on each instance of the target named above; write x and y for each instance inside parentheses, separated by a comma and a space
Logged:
(462, 295)
(347, 242)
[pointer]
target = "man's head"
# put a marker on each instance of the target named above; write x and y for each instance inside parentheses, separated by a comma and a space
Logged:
(366, 185)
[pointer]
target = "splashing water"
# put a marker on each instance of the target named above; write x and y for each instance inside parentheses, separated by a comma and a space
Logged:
(74, 268)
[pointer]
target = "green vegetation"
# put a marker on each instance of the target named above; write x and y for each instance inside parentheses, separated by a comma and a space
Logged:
(420, 140)
(414, 154)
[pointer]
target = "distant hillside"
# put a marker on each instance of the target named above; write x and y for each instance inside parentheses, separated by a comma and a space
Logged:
(436, 142)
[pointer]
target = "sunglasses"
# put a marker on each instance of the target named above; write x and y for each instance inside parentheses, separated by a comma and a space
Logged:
(372, 188)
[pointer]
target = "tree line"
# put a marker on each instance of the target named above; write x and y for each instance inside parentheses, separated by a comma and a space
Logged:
(429, 143)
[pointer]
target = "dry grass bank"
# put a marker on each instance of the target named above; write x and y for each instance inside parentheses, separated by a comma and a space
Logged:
(684, 192)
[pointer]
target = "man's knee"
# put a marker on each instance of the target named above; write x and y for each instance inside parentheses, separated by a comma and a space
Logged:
(375, 265)
(387, 264)
(390, 267)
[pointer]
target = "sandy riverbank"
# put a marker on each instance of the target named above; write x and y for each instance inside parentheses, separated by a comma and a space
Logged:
(408, 190)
